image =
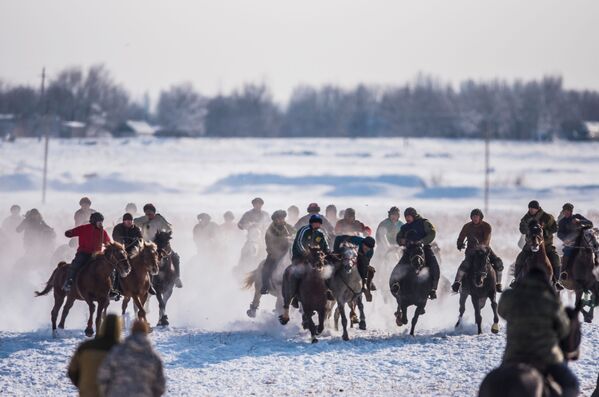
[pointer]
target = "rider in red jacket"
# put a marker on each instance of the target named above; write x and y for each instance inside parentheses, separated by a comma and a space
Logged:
(92, 238)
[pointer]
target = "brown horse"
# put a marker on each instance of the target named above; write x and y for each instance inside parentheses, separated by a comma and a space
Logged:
(92, 284)
(535, 255)
(311, 291)
(136, 285)
(581, 277)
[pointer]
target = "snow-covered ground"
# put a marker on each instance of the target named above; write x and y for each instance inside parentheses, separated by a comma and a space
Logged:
(212, 348)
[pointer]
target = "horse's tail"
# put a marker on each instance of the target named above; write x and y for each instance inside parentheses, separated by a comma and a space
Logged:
(50, 282)
(250, 279)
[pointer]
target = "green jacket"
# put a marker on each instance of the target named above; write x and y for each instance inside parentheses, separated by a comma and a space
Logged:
(536, 322)
(546, 220)
(421, 229)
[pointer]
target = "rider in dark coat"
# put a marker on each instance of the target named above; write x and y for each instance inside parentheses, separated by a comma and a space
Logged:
(536, 322)
(477, 232)
(349, 225)
(128, 234)
(547, 222)
(278, 238)
(569, 229)
(420, 230)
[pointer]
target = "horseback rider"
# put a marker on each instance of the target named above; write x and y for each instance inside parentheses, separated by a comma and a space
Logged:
(570, 227)
(92, 238)
(37, 235)
(82, 214)
(536, 323)
(255, 217)
(365, 252)
(349, 225)
(10, 223)
(128, 234)
(292, 214)
(388, 229)
(314, 209)
(150, 224)
(418, 230)
(205, 232)
(547, 222)
(279, 237)
(330, 212)
(476, 232)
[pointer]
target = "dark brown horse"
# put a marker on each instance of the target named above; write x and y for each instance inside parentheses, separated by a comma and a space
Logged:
(581, 278)
(311, 292)
(164, 282)
(136, 285)
(480, 286)
(535, 253)
(92, 284)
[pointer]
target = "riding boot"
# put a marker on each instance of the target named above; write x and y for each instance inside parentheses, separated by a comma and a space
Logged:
(371, 271)
(366, 290)
(458, 280)
(69, 281)
(114, 293)
(498, 286)
(177, 266)
(433, 265)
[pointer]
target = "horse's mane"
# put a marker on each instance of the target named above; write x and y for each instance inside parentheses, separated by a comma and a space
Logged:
(114, 244)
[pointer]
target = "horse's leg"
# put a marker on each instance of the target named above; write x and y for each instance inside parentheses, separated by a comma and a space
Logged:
(463, 297)
(58, 301)
(321, 317)
(251, 312)
(336, 318)
(166, 297)
(477, 317)
(89, 330)
(404, 314)
(341, 307)
(493, 298)
(102, 305)
(65, 310)
(124, 305)
(353, 317)
(417, 312)
(141, 313)
(312, 326)
(362, 324)
(161, 307)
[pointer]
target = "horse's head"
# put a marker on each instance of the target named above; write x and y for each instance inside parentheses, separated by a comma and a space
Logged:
(534, 237)
(415, 253)
(316, 256)
(117, 256)
(150, 257)
(479, 259)
(162, 239)
(349, 256)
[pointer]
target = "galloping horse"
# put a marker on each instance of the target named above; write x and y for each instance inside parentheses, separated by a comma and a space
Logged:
(312, 290)
(92, 284)
(480, 285)
(346, 285)
(581, 278)
(164, 282)
(410, 284)
(276, 282)
(536, 254)
(136, 285)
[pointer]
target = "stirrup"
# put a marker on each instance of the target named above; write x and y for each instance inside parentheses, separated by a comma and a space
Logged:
(563, 276)
(114, 295)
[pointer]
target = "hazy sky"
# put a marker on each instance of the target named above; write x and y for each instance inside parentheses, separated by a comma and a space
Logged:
(219, 44)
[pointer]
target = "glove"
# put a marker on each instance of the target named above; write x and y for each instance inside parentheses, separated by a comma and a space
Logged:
(455, 287)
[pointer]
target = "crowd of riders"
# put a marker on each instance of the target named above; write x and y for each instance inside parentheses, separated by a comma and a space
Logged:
(285, 231)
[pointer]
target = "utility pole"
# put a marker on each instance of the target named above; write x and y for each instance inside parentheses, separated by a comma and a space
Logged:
(44, 104)
(487, 167)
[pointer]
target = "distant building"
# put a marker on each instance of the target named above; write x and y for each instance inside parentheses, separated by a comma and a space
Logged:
(592, 128)
(72, 129)
(7, 124)
(135, 128)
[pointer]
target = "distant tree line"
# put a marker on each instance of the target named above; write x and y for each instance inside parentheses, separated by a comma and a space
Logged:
(521, 110)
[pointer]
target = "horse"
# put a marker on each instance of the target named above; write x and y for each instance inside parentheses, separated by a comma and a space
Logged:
(479, 284)
(582, 279)
(311, 291)
(536, 255)
(92, 284)
(524, 380)
(276, 282)
(346, 285)
(410, 284)
(164, 281)
(136, 285)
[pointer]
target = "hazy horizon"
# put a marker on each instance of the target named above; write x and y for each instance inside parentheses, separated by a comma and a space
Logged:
(149, 46)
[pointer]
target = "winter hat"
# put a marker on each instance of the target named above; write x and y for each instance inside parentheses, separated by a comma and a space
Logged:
(127, 217)
(149, 207)
(410, 211)
(204, 217)
(393, 210)
(478, 212)
(85, 200)
(350, 212)
(315, 219)
(258, 200)
(279, 214)
(568, 207)
(313, 207)
(534, 204)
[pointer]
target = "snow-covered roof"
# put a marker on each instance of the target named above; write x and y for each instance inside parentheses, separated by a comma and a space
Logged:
(141, 127)
(6, 116)
(73, 124)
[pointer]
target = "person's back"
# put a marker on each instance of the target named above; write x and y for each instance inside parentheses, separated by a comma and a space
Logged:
(84, 364)
(132, 368)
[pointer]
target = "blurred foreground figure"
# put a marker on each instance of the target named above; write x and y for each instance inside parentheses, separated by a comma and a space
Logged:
(133, 368)
(83, 368)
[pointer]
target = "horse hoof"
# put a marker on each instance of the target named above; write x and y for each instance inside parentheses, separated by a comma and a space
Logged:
(314, 340)
(251, 313)
(495, 328)
(89, 332)
(362, 325)
(283, 320)
(55, 333)
(345, 337)
(61, 326)
(398, 321)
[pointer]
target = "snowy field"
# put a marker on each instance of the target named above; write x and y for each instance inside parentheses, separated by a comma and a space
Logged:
(212, 347)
